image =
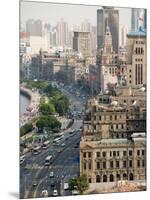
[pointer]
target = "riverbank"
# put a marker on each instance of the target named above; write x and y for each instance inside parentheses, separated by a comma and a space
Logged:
(32, 109)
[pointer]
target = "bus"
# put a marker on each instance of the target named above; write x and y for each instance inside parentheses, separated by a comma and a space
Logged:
(45, 144)
(36, 150)
(56, 140)
(48, 160)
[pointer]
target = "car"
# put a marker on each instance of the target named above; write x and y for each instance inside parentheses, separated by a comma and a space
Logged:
(55, 192)
(63, 144)
(75, 192)
(59, 150)
(52, 184)
(44, 193)
(34, 183)
(51, 174)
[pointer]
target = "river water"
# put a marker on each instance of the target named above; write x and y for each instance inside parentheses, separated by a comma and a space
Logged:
(24, 102)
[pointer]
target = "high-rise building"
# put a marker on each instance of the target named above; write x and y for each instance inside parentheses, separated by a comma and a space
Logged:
(124, 31)
(82, 43)
(62, 33)
(136, 58)
(138, 18)
(35, 27)
(111, 16)
(86, 26)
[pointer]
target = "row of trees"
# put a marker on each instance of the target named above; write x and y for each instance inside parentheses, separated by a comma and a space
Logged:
(57, 103)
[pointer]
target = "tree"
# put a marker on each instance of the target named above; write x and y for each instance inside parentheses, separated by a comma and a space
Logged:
(80, 183)
(47, 108)
(49, 122)
(25, 129)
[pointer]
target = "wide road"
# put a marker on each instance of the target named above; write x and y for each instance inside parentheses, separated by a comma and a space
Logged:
(64, 164)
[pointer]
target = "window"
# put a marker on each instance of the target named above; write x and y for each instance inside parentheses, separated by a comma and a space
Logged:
(89, 154)
(130, 163)
(104, 154)
(117, 153)
(130, 153)
(98, 165)
(124, 153)
(104, 165)
(110, 117)
(115, 117)
(111, 164)
(117, 164)
(98, 154)
(84, 154)
(114, 153)
(138, 152)
(110, 154)
(138, 163)
(111, 126)
(84, 165)
(130, 70)
(89, 165)
(124, 163)
(143, 152)
(116, 126)
(100, 118)
(122, 126)
(130, 81)
(143, 163)
(89, 180)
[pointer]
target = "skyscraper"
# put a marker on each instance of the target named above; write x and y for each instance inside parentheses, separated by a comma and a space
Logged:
(62, 33)
(111, 16)
(35, 27)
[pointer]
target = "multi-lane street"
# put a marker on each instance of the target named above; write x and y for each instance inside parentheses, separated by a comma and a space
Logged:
(35, 176)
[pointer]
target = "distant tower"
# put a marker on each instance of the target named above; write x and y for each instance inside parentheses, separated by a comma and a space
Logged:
(112, 16)
(124, 31)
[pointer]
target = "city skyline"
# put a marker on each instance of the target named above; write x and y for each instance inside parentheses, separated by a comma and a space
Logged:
(84, 12)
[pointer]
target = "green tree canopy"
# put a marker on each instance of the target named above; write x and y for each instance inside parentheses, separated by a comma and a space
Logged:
(47, 108)
(25, 129)
(47, 122)
(80, 183)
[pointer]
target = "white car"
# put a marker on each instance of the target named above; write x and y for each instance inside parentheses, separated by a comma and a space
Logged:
(55, 192)
(51, 174)
(44, 193)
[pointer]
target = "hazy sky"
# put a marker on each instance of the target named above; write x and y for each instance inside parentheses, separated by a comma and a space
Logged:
(73, 14)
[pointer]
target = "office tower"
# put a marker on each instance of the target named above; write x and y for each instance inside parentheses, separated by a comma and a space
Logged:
(110, 15)
(136, 58)
(124, 32)
(62, 33)
(35, 27)
(82, 43)
(86, 26)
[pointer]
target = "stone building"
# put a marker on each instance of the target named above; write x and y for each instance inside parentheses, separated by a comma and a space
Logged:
(82, 43)
(136, 58)
(113, 144)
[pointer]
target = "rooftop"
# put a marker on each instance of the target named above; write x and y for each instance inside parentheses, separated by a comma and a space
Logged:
(140, 32)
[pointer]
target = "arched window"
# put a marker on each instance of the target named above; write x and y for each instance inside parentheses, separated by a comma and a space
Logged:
(131, 177)
(98, 179)
(104, 178)
(118, 177)
(111, 177)
(124, 176)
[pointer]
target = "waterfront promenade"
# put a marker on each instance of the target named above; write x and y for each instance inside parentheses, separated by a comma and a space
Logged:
(32, 109)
